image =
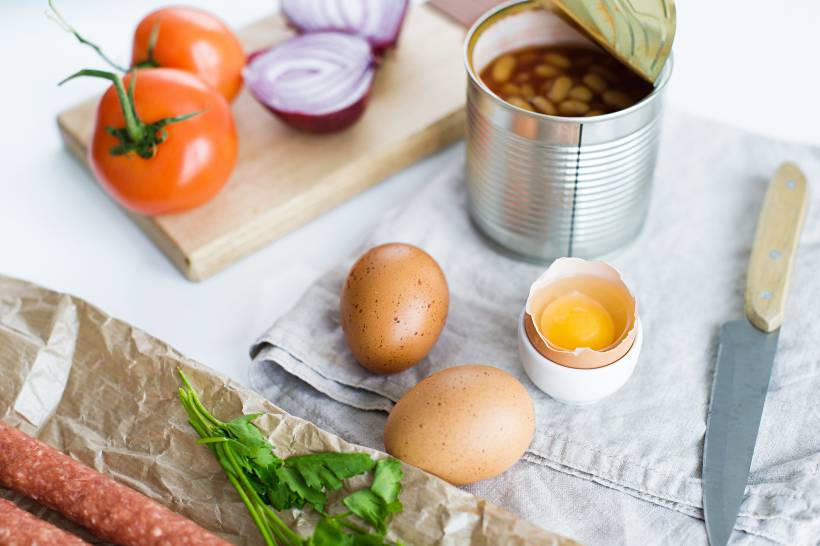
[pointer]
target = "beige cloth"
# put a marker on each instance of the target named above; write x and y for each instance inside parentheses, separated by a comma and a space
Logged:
(626, 470)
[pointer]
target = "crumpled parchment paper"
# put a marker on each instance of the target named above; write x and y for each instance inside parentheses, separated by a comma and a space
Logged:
(105, 393)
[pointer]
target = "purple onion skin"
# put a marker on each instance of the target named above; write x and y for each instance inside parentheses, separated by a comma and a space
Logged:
(254, 54)
(332, 122)
(379, 48)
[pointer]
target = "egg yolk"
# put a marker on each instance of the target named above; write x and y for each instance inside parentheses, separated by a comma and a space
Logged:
(575, 320)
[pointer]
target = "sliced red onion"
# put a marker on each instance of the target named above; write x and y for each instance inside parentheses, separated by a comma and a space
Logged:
(317, 82)
(378, 21)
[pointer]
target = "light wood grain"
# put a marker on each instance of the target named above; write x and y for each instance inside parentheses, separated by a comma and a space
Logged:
(284, 178)
(775, 246)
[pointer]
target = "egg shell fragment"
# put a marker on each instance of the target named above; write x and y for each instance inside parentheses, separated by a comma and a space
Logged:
(463, 424)
(601, 282)
(393, 307)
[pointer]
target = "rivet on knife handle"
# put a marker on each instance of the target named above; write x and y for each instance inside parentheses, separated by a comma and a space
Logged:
(775, 244)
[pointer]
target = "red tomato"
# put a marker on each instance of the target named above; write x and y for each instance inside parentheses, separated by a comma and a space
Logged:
(195, 41)
(185, 170)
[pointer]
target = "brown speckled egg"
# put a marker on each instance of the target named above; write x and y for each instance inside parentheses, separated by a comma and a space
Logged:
(394, 305)
(463, 424)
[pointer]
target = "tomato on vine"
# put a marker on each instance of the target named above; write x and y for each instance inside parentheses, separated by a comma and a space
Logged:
(193, 40)
(177, 160)
(164, 141)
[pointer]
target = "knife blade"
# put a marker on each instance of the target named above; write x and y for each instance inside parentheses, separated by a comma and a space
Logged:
(744, 365)
(746, 352)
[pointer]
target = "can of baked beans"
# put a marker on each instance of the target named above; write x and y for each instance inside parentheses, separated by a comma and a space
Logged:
(557, 168)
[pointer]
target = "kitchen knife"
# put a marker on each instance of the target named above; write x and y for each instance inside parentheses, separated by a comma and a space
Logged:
(746, 353)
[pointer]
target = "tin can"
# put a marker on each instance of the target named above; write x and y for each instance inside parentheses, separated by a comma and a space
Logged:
(547, 186)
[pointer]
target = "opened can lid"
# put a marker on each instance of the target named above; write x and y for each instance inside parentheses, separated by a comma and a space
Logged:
(637, 32)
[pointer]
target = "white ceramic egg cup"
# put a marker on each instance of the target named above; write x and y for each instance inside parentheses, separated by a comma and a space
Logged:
(577, 386)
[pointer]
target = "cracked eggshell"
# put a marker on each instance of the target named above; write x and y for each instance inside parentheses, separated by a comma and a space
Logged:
(393, 307)
(598, 280)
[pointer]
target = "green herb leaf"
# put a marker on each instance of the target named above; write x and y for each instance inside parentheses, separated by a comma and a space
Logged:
(243, 430)
(329, 532)
(328, 470)
(387, 480)
(309, 477)
(368, 506)
(370, 539)
(376, 504)
(336, 531)
(254, 446)
(298, 492)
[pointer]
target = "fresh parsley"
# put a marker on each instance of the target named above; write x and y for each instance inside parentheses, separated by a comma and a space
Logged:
(377, 504)
(266, 482)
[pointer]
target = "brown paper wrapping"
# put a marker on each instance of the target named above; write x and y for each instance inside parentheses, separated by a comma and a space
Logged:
(105, 393)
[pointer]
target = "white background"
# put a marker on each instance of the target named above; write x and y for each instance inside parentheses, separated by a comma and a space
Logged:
(750, 63)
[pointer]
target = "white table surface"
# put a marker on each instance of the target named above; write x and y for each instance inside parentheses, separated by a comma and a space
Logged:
(746, 62)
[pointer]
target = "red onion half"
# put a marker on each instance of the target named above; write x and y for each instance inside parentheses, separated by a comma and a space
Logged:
(317, 82)
(378, 21)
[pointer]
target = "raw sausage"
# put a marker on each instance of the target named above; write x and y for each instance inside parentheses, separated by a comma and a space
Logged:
(20, 528)
(108, 509)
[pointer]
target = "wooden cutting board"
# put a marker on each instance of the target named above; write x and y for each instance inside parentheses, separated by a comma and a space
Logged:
(283, 178)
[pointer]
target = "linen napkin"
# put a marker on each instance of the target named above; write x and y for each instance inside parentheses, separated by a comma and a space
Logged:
(634, 459)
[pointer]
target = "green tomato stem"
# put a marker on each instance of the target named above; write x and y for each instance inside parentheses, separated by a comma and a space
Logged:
(57, 16)
(137, 136)
(150, 61)
(134, 127)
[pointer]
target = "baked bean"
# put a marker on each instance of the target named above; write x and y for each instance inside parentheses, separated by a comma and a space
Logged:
(573, 108)
(511, 89)
(503, 68)
(546, 85)
(617, 99)
(557, 59)
(543, 105)
(604, 72)
(546, 71)
(595, 82)
(521, 103)
(564, 80)
(580, 92)
(560, 88)
(527, 57)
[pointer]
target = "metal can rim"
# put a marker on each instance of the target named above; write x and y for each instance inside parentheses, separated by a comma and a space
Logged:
(476, 79)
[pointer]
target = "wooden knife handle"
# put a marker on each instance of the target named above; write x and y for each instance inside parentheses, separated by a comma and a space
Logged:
(774, 248)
